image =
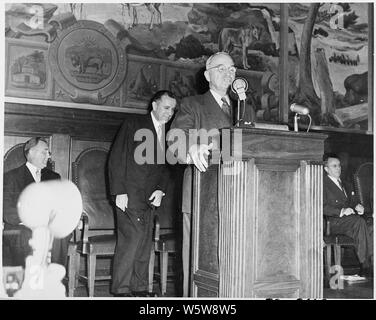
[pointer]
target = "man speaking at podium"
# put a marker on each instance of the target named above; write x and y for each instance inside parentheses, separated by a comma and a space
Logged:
(211, 110)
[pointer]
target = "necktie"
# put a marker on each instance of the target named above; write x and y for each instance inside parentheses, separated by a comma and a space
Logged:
(160, 135)
(37, 175)
(341, 186)
(225, 106)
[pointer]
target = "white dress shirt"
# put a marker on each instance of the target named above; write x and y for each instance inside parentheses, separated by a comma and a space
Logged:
(158, 128)
(33, 170)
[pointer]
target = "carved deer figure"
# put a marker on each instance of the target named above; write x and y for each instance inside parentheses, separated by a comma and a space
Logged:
(156, 15)
(242, 38)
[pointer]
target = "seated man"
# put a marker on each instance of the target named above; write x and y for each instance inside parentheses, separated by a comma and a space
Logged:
(16, 245)
(344, 214)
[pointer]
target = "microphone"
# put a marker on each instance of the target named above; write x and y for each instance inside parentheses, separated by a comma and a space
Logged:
(240, 86)
(299, 109)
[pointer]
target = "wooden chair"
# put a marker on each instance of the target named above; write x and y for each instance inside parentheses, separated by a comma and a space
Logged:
(98, 228)
(164, 245)
(14, 157)
(334, 243)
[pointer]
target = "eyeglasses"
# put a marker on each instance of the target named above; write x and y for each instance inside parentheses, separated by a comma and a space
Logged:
(221, 68)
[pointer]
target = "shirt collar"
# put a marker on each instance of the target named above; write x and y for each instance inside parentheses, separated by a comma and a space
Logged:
(218, 97)
(33, 169)
(155, 121)
(335, 180)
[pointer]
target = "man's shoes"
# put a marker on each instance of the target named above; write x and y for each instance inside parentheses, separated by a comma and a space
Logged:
(124, 295)
(145, 294)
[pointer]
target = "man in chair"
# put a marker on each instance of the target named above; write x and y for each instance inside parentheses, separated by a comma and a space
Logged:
(138, 187)
(344, 214)
(16, 247)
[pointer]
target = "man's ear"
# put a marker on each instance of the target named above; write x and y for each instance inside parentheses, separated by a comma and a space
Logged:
(207, 75)
(154, 105)
(326, 169)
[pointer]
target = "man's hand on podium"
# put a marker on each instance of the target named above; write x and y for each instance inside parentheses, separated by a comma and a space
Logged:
(197, 154)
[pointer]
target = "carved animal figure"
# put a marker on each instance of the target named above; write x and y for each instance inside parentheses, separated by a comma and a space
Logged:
(156, 15)
(83, 61)
(356, 86)
(243, 37)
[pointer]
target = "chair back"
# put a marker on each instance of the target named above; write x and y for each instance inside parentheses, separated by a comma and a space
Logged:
(15, 157)
(363, 181)
(89, 173)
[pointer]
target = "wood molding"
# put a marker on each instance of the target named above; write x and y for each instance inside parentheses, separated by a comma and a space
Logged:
(23, 119)
(72, 105)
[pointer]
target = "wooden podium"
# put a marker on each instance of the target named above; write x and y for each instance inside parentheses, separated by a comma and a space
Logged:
(257, 217)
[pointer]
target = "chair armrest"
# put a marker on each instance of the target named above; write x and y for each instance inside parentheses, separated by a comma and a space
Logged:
(327, 227)
(157, 228)
(85, 231)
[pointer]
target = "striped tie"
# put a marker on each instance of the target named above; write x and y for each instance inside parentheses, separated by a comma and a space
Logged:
(225, 106)
(341, 186)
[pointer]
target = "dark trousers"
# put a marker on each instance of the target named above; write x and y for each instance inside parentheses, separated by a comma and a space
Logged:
(355, 227)
(16, 246)
(133, 248)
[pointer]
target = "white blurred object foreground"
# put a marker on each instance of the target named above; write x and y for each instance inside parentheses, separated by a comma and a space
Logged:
(51, 209)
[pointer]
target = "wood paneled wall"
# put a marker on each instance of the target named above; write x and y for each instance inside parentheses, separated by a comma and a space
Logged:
(70, 131)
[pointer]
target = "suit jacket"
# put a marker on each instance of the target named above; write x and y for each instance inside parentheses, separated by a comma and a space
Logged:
(334, 200)
(197, 112)
(15, 181)
(126, 176)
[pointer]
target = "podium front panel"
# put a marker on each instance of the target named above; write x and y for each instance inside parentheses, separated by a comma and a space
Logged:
(268, 243)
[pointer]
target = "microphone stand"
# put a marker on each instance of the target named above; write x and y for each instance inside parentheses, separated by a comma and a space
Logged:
(296, 117)
(237, 124)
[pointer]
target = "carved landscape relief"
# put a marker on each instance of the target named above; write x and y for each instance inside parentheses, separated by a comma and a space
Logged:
(330, 74)
(327, 50)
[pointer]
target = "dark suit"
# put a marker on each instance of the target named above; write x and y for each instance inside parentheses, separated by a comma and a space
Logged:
(16, 246)
(354, 226)
(135, 225)
(196, 112)
(200, 112)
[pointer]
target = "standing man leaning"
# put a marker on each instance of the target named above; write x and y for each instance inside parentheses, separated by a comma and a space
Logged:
(16, 248)
(344, 213)
(212, 110)
(138, 187)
